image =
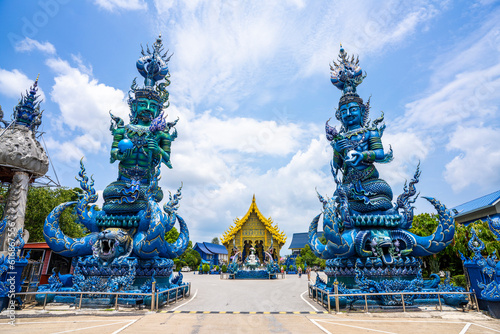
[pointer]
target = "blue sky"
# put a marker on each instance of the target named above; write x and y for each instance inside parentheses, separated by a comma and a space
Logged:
(250, 84)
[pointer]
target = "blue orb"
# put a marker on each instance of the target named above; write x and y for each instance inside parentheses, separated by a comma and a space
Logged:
(125, 144)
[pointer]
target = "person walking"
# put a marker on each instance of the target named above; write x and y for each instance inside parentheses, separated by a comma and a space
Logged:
(300, 271)
(308, 271)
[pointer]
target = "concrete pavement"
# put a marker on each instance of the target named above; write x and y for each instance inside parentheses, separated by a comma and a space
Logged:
(261, 302)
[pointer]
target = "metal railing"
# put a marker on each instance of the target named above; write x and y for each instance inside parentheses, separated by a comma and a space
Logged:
(326, 304)
(177, 297)
(154, 295)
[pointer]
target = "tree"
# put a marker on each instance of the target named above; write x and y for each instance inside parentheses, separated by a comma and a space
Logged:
(41, 201)
(216, 241)
(308, 257)
(172, 235)
(449, 259)
(190, 257)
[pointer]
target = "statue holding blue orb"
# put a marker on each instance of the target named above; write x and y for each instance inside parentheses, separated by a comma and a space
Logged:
(126, 249)
(124, 145)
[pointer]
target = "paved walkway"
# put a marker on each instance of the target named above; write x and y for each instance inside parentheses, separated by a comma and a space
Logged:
(260, 306)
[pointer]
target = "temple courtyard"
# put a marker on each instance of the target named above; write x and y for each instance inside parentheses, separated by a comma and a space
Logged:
(246, 306)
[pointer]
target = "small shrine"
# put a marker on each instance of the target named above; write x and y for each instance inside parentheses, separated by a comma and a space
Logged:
(254, 231)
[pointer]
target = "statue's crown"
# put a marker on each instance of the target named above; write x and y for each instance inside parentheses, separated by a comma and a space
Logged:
(346, 76)
(154, 68)
(27, 112)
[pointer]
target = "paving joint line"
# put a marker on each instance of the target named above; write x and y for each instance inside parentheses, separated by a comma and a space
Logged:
(245, 312)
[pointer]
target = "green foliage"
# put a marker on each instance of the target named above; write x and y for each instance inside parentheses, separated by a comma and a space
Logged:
(172, 236)
(463, 234)
(224, 268)
(308, 257)
(179, 264)
(41, 201)
(290, 267)
(449, 259)
(189, 258)
(205, 267)
(299, 261)
(216, 268)
(216, 241)
(459, 280)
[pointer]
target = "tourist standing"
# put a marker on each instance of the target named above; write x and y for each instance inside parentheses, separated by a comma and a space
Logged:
(300, 271)
(308, 271)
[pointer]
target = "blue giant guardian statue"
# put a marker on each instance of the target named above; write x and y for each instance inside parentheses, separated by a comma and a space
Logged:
(126, 249)
(369, 247)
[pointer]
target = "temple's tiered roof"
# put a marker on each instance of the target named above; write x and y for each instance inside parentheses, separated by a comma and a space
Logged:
(268, 223)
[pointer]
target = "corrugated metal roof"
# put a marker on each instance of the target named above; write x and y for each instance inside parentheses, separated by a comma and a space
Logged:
(299, 240)
(215, 249)
(202, 248)
(476, 204)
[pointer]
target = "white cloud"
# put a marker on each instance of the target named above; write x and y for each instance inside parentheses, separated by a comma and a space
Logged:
(463, 81)
(286, 194)
(226, 51)
(208, 146)
(408, 149)
(111, 5)
(84, 104)
(28, 44)
(479, 160)
(14, 83)
(462, 97)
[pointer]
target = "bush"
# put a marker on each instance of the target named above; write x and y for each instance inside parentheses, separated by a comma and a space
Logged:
(224, 268)
(216, 268)
(206, 267)
(290, 267)
(459, 280)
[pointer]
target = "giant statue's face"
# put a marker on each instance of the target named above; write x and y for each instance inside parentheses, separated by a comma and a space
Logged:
(350, 115)
(147, 109)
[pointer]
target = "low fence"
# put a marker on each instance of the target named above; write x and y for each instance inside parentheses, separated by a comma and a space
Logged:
(336, 295)
(155, 295)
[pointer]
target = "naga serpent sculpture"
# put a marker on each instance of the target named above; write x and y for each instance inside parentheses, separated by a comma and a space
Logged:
(146, 235)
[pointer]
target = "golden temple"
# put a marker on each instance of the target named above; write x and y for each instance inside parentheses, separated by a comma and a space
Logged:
(254, 230)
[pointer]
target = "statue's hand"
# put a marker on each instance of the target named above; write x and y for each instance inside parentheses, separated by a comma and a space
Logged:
(124, 155)
(354, 158)
(153, 146)
(341, 145)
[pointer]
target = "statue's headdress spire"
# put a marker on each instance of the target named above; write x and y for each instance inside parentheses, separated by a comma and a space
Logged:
(27, 112)
(153, 65)
(154, 68)
(346, 76)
